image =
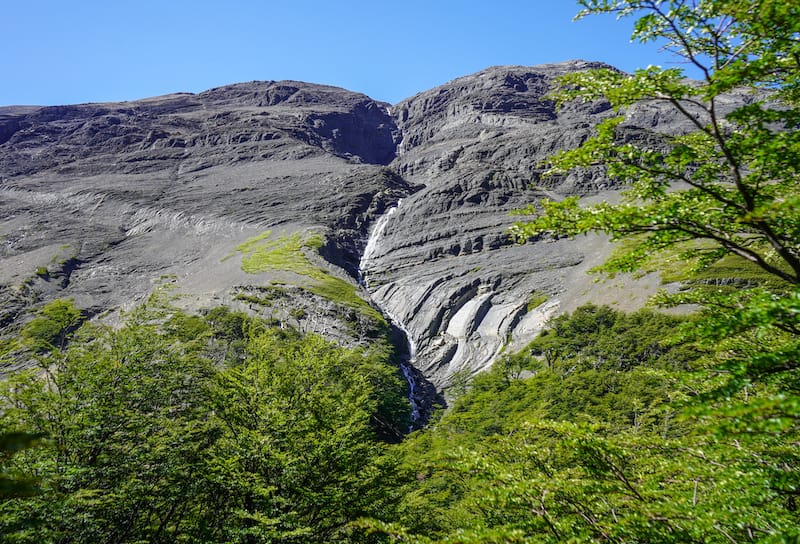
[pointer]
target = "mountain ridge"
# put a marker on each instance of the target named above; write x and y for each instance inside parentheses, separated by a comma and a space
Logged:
(114, 199)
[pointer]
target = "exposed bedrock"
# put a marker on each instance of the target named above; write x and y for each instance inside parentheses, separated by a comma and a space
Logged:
(103, 202)
(165, 188)
(444, 263)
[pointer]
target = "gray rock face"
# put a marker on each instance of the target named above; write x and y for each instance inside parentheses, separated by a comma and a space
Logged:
(102, 202)
(239, 123)
(112, 199)
(443, 263)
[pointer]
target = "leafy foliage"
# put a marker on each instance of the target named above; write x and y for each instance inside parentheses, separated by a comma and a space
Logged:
(49, 329)
(608, 427)
(594, 365)
(739, 167)
(185, 428)
(594, 445)
(304, 434)
(12, 485)
(725, 189)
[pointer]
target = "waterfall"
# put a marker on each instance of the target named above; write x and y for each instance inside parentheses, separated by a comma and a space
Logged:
(406, 366)
(408, 369)
(375, 234)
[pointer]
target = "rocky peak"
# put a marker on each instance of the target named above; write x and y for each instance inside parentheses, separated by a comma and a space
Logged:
(115, 197)
(259, 119)
(444, 264)
(504, 94)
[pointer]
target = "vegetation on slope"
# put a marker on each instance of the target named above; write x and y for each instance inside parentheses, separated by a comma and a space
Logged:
(727, 191)
(218, 428)
(290, 253)
(608, 428)
(200, 429)
(597, 432)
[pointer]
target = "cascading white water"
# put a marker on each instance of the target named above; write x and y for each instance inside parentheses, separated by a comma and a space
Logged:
(408, 369)
(375, 235)
(408, 373)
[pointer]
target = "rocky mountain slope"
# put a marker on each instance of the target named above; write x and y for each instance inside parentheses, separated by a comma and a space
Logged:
(103, 202)
(108, 198)
(445, 266)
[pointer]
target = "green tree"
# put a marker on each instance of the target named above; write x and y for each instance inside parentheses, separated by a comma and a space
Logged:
(12, 485)
(125, 413)
(594, 449)
(302, 445)
(179, 428)
(739, 165)
(52, 326)
(555, 482)
(724, 192)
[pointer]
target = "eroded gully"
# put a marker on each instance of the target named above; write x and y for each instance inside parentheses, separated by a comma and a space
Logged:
(376, 234)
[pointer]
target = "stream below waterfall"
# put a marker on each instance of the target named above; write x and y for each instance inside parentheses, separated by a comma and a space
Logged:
(407, 364)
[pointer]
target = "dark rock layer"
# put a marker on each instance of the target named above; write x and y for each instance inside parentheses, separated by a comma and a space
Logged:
(114, 199)
(163, 189)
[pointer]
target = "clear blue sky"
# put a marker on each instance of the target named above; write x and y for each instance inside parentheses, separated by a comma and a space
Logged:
(66, 52)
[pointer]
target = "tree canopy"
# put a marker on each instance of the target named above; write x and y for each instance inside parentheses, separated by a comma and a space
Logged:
(179, 428)
(606, 428)
(722, 194)
(732, 179)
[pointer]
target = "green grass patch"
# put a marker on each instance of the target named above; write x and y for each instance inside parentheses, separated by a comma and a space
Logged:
(291, 253)
(284, 253)
(536, 300)
(251, 244)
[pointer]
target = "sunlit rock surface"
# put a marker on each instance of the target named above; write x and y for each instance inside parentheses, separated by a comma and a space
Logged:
(103, 202)
(444, 262)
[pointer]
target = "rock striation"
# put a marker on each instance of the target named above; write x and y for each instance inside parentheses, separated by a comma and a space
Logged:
(444, 263)
(103, 202)
(111, 198)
